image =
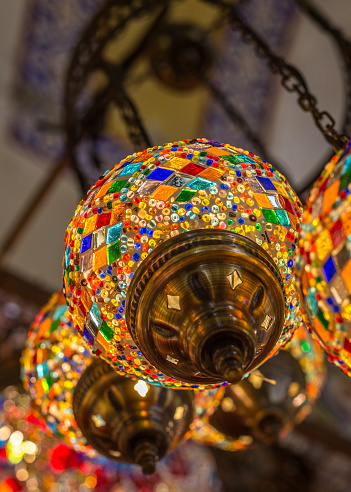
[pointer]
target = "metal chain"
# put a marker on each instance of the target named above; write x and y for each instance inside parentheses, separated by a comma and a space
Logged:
(343, 44)
(291, 79)
(87, 58)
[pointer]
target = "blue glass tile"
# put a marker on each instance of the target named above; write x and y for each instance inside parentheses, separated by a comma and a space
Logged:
(283, 217)
(130, 169)
(86, 243)
(67, 253)
(199, 184)
(266, 184)
(114, 233)
(95, 314)
(42, 369)
(88, 336)
(329, 269)
(160, 174)
(60, 311)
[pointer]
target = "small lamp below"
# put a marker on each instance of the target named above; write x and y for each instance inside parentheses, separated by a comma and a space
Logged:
(267, 404)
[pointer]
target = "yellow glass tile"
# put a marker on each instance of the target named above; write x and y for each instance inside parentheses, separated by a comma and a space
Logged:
(117, 214)
(211, 173)
(103, 190)
(324, 245)
(346, 275)
(346, 223)
(163, 192)
(330, 196)
(280, 189)
(262, 200)
(99, 258)
(175, 163)
(90, 225)
(217, 151)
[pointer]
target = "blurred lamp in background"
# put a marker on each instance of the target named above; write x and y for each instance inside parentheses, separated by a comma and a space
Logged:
(124, 419)
(324, 267)
(266, 405)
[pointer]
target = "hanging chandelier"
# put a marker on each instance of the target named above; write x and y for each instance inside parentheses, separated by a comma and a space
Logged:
(185, 265)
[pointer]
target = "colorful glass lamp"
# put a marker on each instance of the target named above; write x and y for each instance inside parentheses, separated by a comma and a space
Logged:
(123, 419)
(179, 264)
(52, 363)
(267, 404)
(324, 267)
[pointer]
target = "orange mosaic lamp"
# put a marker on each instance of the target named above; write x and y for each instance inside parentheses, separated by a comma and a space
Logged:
(52, 362)
(324, 267)
(178, 264)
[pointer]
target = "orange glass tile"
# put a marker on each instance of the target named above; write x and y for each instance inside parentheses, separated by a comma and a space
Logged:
(212, 173)
(117, 214)
(163, 192)
(320, 330)
(102, 341)
(44, 328)
(103, 190)
(99, 258)
(86, 300)
(330, 196)
(217, 151)
(293, 221)
(346, 275)
(346, 223)
(262, 200)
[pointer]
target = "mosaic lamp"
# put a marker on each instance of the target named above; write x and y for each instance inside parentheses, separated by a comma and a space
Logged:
(267, 404)
(324, 266)
(179, 264)
(88, 405)
(31, 459)
(52, 362)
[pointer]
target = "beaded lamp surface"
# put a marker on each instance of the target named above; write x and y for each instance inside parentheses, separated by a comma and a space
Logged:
(150, 199)
(324, 265)
(218, 410)
(52, 363)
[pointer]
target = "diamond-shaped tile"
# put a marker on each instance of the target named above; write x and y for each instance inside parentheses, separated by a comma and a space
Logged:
(234, 279)
(173, 302)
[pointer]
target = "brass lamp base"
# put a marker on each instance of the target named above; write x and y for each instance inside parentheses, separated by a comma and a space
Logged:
(129, 420)
(206, 306)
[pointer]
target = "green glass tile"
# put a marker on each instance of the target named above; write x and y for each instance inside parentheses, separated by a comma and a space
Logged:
(113, 252)
(80, 230)
(54, 325)
(322, 318)
(185, 195)
(49, 381)
(270, 215)
(234, 159)
(106, 331)
(345, 180)
(45, 385)
(117, 186)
